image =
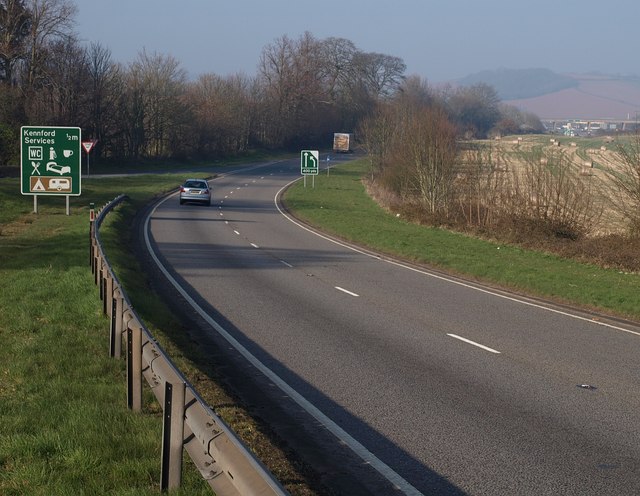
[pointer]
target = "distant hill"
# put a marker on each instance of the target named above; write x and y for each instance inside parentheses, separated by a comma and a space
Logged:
(567, 96)
(514, 84)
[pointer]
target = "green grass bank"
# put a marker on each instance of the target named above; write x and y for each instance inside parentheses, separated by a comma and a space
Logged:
(339, 205)
(64, 425)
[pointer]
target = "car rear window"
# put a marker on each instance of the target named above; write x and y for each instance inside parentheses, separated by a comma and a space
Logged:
(195, 184)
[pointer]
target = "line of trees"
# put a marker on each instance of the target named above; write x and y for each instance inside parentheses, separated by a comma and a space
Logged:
(421, 167)
(304, 90)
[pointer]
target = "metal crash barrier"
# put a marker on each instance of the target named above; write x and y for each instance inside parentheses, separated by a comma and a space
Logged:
(188, 422)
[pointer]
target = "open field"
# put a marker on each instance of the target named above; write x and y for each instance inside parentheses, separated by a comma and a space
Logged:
(590, 159)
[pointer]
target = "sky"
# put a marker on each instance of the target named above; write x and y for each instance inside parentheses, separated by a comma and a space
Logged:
(438, 40)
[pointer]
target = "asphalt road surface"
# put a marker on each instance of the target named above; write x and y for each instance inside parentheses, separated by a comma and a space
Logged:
(442, 386)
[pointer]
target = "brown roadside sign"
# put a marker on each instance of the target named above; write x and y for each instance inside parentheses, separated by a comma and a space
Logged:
(47, 184)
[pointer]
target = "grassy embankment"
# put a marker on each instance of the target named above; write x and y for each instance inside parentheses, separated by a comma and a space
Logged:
(339, 205)
(64, 425)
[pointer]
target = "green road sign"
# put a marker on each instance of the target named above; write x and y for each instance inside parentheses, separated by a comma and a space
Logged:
(50, 160)
(309, 161)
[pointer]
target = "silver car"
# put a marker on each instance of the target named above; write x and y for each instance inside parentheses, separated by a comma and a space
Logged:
(195, 190)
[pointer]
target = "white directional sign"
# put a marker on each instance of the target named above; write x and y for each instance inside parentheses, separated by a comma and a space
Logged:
(309, 162)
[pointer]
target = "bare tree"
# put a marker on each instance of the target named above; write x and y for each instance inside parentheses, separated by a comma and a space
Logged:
(104, 92)
(380, 74)
(412, 145)
(156, 86)
(51, 21)
(429, 145)
(67, 70)
(223, 113)
(15, 25)
(475, 109)
(336, 66)
(376, 133)
(276, 73)
(293, 88)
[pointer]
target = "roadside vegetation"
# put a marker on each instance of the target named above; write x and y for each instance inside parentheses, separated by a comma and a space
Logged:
(579, 198)
(65, 425)
(341, 205)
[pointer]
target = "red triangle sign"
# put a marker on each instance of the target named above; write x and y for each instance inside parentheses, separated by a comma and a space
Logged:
(88, 145)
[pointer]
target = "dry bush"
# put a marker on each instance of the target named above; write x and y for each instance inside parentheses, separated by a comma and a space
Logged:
(479, 188)
(412, 149)
(551, 193)
(626, 184)
(543, 196)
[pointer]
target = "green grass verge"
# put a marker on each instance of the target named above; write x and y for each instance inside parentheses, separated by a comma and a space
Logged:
(339, 205)
(65, 428)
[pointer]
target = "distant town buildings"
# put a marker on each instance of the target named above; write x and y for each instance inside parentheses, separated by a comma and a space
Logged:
(578, 127)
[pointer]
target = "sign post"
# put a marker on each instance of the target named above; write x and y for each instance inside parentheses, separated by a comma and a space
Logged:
(88, 146)
(50, 162)
(309, 164)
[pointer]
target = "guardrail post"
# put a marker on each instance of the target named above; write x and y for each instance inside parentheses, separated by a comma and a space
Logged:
(134, 368)
(92, 218)
(91, 247)
(96, 262)
(172, 436)
(115, 334)
(101, 280)
(108, 291)
(93, 258)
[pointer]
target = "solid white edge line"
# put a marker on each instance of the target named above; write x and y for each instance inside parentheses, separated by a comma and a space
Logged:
(443, 278)
(346, 291)
(486, 348)
(368, 457)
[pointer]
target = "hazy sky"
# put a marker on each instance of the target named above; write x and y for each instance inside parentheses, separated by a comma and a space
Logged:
(438, 40)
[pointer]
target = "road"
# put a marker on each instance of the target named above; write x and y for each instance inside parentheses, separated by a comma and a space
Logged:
(443, 386)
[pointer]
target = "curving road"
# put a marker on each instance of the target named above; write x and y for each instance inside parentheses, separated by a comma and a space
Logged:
(442, 386)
